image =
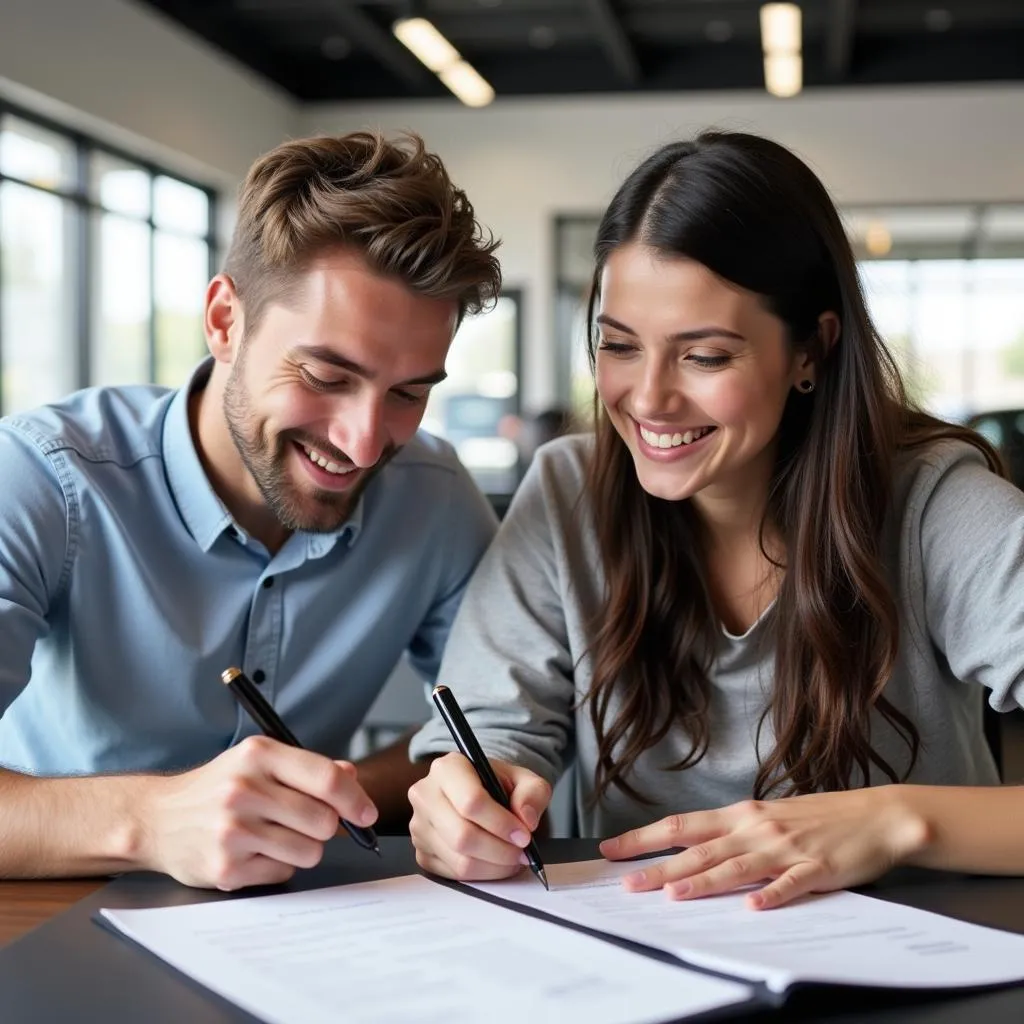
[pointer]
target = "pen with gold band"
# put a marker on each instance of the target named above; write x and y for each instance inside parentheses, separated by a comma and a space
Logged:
(267, 719)
(470, 747)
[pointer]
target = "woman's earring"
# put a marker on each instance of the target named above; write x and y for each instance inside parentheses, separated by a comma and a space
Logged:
(805, 387)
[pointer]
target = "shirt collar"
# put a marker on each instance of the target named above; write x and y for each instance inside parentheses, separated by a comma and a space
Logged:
(202, 511)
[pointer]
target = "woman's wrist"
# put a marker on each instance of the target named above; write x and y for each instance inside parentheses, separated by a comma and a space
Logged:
(908, 826)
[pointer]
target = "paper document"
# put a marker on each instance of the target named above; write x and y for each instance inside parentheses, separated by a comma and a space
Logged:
(840, 937)
(410, 950)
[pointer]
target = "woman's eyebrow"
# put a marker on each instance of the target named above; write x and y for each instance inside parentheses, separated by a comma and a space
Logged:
(696, 334)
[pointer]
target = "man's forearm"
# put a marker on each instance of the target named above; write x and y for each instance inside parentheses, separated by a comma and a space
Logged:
(53, 828)
(386, 775)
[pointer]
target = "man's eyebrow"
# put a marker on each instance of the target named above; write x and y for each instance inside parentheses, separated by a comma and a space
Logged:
(327, 355)
(698, 334)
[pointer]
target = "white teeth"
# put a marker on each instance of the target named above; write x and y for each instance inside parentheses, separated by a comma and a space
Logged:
(324, 463)
(672, 440)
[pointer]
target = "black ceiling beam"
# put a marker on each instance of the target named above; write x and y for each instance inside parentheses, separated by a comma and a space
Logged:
(285, 8)
(839, 39)
(362, 29)
(614, 40)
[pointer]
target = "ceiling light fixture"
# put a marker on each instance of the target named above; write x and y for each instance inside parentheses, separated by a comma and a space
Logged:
(431, 48)
(877, 239)
(781, 33)
(783, 74)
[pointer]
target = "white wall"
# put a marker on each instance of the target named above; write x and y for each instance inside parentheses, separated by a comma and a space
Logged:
(136, 78)
(523, 161)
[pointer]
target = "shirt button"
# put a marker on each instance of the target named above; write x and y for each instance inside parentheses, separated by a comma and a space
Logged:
(268, 582)
(259, 675)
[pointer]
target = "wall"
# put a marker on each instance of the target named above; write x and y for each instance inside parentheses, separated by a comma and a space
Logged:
(522, 161)
(133, 77)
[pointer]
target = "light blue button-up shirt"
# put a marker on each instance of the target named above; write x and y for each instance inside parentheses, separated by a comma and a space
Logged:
(126, 589)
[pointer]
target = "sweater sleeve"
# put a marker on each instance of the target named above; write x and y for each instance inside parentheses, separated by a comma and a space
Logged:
(508, 660)
(972, 568)
(470, 528)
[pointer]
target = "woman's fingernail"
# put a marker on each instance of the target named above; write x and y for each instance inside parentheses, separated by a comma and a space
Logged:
(678, 889)
(524, 860)
(609, 845)
(367, 815)
(530, 817)
(637, 878)
(519, 837)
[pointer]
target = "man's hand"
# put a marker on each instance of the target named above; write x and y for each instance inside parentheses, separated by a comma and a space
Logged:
(460, 832)
(249, 817)
(801, 844)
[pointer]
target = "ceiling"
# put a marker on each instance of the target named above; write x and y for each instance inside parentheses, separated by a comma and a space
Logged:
(344, 50)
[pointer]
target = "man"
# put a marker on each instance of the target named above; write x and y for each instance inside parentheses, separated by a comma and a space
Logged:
(280, 513)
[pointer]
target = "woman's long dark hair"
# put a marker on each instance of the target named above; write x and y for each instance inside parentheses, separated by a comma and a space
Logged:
(753, 213)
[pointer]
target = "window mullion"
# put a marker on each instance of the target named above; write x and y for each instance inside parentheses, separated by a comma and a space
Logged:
(84, 271)
(152, 278)
(1, 289)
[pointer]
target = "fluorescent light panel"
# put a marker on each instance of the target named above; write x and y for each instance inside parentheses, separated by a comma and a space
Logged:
(431, 48)
(780, 28)
(783, 74)
(426, 43)
(468, 84)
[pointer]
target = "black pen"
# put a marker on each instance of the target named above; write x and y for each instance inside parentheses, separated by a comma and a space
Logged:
(471, 749)
(268, 720)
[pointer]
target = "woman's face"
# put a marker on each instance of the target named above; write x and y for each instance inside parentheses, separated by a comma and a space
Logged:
(694, 373)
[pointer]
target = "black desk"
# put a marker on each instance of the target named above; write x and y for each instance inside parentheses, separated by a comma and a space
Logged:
(72, 970)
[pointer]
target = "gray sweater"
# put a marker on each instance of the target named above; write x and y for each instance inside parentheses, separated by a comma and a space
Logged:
(516, 657)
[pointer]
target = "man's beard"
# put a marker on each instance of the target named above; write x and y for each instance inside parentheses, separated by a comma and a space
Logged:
(266, 459)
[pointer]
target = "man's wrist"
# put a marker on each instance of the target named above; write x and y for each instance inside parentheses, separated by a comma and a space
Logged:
(131, 837)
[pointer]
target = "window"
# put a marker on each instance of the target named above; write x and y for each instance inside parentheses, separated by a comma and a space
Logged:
(474, 406)
(574, 271)
(103, 263)
(945, 285)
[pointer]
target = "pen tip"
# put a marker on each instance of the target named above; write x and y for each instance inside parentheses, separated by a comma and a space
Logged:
(543, 878)
(376, 849)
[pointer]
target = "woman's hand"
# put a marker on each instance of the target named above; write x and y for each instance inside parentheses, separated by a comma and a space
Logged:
(802, 844)
(460, 832)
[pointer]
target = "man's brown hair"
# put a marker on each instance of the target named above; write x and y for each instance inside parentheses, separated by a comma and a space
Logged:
(391, 201)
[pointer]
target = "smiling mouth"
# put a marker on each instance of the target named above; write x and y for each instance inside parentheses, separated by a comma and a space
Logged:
(326, 464)
(677, 440)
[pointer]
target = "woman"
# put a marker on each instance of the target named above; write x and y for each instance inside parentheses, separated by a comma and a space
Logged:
(757, 605)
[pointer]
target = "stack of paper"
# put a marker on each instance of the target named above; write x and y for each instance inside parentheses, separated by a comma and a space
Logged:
(838, 937)
(411, 950)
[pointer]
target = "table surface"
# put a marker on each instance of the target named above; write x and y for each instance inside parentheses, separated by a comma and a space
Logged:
(24, 905)
(104, 977)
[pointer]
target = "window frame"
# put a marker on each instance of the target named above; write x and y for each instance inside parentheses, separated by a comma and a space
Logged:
(82, 243)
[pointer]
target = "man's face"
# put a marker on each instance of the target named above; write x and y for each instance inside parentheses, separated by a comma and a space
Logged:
(329, 386)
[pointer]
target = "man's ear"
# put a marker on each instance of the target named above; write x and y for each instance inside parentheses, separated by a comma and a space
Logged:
(223, 320)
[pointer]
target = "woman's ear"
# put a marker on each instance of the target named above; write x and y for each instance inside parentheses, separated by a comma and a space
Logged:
(829, 329)
(806, 376)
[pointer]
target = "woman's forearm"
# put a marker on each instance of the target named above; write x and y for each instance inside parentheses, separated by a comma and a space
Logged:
(968, 828)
